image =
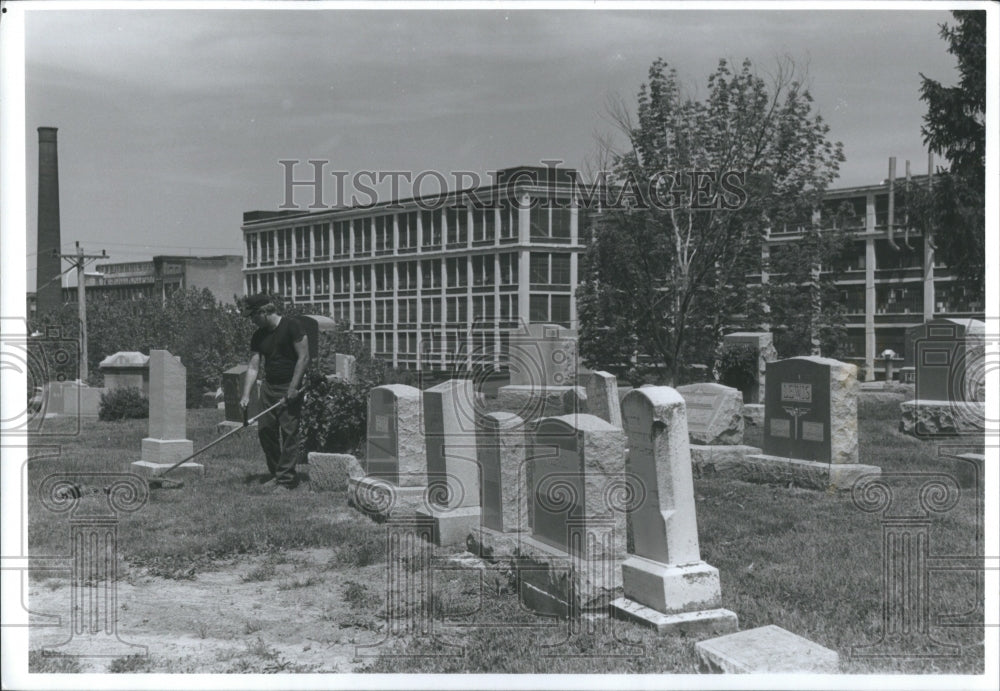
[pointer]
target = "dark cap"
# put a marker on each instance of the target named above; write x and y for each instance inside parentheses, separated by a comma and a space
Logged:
(255, 302)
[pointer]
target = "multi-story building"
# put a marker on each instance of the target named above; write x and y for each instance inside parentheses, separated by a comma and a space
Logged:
(890, 279)
(456, 274)
(160, 276)
(431, 283)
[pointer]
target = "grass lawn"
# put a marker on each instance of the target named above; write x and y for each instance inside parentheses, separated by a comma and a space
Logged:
(807, 561)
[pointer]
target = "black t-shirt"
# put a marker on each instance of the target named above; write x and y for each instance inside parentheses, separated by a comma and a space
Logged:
(278, 349)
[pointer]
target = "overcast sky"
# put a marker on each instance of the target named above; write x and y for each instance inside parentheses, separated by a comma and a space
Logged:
(172, 123)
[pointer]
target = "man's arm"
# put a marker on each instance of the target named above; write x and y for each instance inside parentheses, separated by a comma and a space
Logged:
(301, 363)
(250, 379)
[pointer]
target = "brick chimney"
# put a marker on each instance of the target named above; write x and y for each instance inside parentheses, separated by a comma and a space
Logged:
(48, 291)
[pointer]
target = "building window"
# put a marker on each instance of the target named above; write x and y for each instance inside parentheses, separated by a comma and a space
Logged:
(430, 309)
(458, 226)
(482, 270)
(508, 268)
(303, 287)
(302, 244)
(539, 268)
(362, 278)
(539, 309)
(430, 270)
(407, 275)
(384, 235)
(508, 307)
(560, 310)
(407, 228)
(341, 238)
(457, 310)
(508, 222)
(560, 269)
(321, 278)
(362, 236)
(431, 228)
(456, 272)
(321, 240)
(482, 309)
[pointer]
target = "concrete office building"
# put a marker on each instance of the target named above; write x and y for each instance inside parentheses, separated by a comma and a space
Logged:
(890, 280)
(431, 283)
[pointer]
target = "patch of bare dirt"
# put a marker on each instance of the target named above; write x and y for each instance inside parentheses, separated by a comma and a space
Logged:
(291, 612)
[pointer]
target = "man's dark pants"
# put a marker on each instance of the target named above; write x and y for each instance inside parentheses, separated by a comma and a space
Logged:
(278, 432)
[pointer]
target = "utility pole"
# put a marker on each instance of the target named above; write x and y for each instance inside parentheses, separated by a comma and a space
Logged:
(79, 261)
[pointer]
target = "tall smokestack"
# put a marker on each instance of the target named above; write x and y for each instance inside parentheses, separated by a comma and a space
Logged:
(48, 291)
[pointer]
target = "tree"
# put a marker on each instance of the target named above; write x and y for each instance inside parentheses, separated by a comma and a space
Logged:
(955, 126)
(689, 202)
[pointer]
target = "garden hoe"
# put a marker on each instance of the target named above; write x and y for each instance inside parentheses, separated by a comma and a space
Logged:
(159, 482)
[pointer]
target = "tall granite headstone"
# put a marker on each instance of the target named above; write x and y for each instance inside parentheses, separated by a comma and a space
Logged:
(666, 583)
(452, 464)
(501, 446)
(166, 443)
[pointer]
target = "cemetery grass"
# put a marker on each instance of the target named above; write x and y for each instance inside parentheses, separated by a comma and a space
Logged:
(806, 561)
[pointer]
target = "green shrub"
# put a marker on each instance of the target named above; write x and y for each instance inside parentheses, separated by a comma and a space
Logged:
(124, 404)
(738, 368)
(334, 416)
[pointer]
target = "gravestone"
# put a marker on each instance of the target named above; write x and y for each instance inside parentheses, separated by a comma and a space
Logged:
(395, 457)
(73, 398)
(542, 361)
(714, 413)
(126, 368)
(810, 425)
(602, 397)
(666, 584)
(501, 445)
(452, 466)
(233, 380)
(766, 650)
(949, 369)
(569, 562)
(166, 443)
(313, 325)
(344, 366)
(762, 343)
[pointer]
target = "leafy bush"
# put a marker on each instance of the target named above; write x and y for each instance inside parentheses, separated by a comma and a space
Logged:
(124, 404)
(738, 368)
(334, 416)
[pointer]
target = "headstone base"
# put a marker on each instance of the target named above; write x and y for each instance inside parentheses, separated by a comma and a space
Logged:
(753, 414)
(330, 472)
(555, 583)
(766, 650)
(671, 588)
(451, 527)
(381, 499)
(166, 450)
(149, 469)
(699, 624)
(534, 401)
(935, 418)
(492, 544)
(719, 460)
(808, 474)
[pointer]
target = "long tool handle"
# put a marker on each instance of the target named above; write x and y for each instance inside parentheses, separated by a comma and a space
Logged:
(246, 423)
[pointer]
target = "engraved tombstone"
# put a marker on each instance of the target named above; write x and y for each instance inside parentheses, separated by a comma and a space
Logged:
(666, 584)
(395, 448)
(714, 413)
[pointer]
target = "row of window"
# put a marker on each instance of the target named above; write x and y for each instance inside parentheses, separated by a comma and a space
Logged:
(546, 268)
(401, 232)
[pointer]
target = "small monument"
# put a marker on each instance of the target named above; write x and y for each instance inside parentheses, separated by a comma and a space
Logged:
(949, 361)
(124, 369)
(543, 365)
(568, 565)
(715, 427)
(396, 458)
(166, 443)
(666, 584)
(810, 426)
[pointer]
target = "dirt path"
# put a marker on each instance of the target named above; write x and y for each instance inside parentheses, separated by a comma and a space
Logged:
(255, 614)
